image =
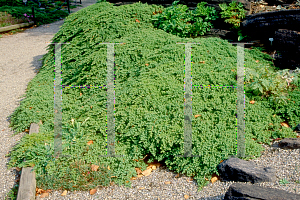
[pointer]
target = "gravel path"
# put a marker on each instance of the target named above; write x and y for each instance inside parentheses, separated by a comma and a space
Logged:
(18, 64)
(19, 60)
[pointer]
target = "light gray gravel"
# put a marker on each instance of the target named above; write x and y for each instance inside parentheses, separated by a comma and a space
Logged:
(19, 60)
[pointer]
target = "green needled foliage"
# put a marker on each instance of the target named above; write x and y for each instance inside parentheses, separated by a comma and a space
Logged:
(149, 102)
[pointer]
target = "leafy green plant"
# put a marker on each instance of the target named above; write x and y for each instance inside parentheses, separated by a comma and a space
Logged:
(283, 181)
(180, 21)
(12, 194)
(233, 14)
(268, 83)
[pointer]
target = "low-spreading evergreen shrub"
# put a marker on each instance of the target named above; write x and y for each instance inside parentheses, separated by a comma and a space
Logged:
(149, 102)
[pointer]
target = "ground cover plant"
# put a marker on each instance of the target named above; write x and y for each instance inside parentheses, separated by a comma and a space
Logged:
(149, 102)
(18, 10)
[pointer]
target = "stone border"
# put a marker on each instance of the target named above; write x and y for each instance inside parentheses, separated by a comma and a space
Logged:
(27, 185)
(16, 26)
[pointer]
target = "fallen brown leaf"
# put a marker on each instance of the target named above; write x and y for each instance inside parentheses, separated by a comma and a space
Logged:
(90, 142)
(186, 196)
(197, 116)
(94, 167)
(177, 176)
(252, 102)
(214, 178)
(147, 172)
(138, 171)
(284, 124)
(64, 193)
(137, 20)
(153, 167)
(18, 169)
(147, 64)
(93, 191)
(40, 191)
(44, 195)
(139, 176)
(167, 182)
(133, 178)
(141, 188)
(80, 94)
(108, 168)
(257, 61)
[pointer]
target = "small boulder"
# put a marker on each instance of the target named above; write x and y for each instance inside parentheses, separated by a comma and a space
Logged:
(239, 191)
(239, 170)
(289, 143)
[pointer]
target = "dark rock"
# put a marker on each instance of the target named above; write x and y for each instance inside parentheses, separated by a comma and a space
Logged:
(297, 128)
(289, 143)
(287, 43)
(265, 24)
(287, 39)
(235, 169)
(252, 192)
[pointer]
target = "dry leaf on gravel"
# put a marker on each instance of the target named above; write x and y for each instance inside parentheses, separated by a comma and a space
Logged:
(167, 182)
(64, 193)
(186, 196)
(94, 167)
(44, 195)
(214, 179)
(93, 191)
(177, 176)
(147, 172)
